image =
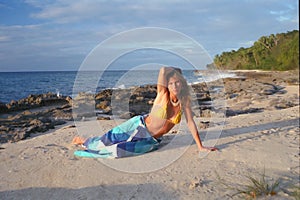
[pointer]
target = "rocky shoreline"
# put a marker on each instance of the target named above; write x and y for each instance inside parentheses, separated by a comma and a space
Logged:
(250, 92)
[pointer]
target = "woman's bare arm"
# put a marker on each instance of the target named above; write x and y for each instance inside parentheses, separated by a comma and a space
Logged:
(193, 128)
(162, 80)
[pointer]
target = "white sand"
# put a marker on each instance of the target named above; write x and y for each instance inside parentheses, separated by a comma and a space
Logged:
(44, 167)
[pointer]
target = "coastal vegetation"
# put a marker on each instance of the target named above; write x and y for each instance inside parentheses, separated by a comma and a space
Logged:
(258, 186)
(274, 52)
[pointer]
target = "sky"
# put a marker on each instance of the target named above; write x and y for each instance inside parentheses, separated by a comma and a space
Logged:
(56, 35)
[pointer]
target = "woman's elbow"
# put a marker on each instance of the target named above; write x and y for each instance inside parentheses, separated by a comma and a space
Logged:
(163, 70)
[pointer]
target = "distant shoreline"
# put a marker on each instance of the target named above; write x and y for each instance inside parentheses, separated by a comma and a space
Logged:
(63, 82)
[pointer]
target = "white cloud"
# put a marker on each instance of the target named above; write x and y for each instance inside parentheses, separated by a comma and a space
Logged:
(246, 43)
(69, 12)
(288, 12)
(4, 38)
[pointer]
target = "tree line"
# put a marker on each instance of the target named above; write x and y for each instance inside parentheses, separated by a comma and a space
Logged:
(273, 52)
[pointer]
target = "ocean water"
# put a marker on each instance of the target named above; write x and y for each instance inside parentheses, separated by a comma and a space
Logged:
(18, 85)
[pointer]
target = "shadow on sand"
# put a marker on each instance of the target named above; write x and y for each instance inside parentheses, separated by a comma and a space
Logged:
(143, 191)
(256, 128)
(234, 132)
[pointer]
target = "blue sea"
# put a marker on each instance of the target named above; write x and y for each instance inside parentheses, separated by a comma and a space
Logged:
(18, 85)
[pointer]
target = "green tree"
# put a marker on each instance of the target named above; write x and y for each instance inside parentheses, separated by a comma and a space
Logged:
(274, 52)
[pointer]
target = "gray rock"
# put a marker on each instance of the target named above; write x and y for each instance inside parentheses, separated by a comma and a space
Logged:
(3, 107)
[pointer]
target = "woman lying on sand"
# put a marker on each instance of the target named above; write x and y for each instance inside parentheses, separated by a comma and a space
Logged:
(142, 134)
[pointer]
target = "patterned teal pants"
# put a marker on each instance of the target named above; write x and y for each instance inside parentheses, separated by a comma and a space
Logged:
(130, 138)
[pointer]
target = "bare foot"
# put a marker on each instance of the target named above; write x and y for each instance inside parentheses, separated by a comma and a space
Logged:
(78, 140)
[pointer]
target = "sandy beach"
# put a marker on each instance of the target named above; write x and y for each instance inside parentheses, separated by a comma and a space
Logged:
(43, 166)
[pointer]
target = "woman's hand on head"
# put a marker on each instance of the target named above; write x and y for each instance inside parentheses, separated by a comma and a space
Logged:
(170, 69)
(167, 70)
